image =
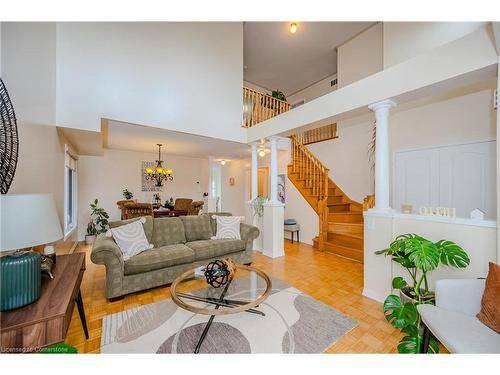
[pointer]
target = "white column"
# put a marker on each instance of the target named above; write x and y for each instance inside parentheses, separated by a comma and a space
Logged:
(273, 198)
(255, 168)
(274, 210)
(382, 109)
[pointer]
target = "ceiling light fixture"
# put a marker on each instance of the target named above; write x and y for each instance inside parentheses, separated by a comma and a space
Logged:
(223, 162)
(159, 173)
(262, 152)
(293, 28)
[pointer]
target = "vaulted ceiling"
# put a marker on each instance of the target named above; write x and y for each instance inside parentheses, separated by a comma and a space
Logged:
(276, 59)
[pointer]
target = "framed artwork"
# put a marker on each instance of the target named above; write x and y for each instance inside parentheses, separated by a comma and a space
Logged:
(281, 187)
(231, 181)
(148, 185)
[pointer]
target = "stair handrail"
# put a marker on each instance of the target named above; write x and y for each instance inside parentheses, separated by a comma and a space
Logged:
(368, 202)
(258, 107)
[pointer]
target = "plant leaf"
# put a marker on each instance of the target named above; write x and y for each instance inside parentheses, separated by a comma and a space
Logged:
(452, 255)
(398, 314)
(424, 253)
(399, 283)
(410, 330)
(409, 345)
(405, 262)
(433, 345)
(384, 251)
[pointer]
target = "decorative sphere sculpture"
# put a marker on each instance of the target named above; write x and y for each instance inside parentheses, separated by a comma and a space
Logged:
(220, 272)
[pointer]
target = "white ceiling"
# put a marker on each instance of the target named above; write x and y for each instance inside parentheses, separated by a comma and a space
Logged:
(276, 59)
(130, 137)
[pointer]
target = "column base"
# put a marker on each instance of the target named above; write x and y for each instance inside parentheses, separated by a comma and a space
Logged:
(274, 240)
(384, 212)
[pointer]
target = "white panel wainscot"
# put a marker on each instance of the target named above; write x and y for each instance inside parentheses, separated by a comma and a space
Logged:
(477, 237)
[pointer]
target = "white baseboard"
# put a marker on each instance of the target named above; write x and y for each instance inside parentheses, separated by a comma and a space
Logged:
(374, 295)
(75, 244)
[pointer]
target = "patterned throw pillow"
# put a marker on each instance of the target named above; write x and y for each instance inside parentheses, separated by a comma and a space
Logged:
(130, 238)
(228, 227)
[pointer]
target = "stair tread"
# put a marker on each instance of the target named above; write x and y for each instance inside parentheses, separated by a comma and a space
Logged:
(342, 223)
(326, 242)
(347, 213)
(353, 235)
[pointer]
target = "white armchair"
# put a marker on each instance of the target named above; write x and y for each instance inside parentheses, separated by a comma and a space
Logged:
(453, 320)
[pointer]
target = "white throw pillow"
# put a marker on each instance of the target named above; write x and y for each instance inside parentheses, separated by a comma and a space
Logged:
(130, 238)
(228, 227)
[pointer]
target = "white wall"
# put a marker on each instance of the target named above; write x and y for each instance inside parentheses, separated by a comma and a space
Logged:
(234, 197)
(361, 56)
(180, 76)
(479, 241)
(28, 70)
(346, 157)
(314, 91)
(104, 177)
(404, 40)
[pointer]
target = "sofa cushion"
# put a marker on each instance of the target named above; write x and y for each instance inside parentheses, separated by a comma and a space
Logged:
(206, 249)
(490, 303)
(168, 231)
(213, 221)
(148, 225)
(197, 227)
(130, 238)
(157, 258)
(459, 333)
(228, 228)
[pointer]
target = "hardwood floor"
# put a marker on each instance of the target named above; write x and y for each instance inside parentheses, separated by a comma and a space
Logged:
(329, 278)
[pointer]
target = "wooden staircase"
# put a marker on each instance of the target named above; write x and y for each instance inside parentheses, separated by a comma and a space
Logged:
(340, 218)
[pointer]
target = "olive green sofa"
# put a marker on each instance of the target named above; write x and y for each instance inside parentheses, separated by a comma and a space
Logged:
(180, 243)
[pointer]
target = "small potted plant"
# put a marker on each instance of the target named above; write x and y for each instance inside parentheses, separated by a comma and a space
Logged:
(98, 222)
(169, 203)
(276, 94)
(127, 194)
(258, 205)
(418, 256)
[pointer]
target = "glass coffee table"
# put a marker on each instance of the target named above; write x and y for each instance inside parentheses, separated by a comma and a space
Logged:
(246, 291)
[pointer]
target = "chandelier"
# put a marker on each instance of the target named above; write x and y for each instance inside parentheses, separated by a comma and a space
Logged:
(159, 173)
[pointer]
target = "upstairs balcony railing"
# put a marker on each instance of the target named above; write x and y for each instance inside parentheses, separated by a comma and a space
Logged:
(258, 107)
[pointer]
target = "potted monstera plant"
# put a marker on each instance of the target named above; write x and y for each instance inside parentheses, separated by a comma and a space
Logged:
(418, 256)
(98, 222)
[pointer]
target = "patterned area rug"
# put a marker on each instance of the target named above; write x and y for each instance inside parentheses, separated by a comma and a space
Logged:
(293, 323)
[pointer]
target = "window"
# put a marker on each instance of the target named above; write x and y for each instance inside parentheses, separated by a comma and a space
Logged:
(70, 196)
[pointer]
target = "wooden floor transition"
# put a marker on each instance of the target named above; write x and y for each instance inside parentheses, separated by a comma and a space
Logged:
(329, 278)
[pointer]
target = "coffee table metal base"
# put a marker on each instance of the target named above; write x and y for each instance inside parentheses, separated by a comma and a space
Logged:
(221, 301)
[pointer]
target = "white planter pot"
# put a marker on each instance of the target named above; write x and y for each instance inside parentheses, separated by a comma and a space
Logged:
(90, 239)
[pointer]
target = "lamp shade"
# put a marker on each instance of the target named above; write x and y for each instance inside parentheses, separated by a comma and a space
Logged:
(28, 220)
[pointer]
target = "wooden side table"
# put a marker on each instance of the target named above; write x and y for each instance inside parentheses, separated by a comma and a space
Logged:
(46, 321)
